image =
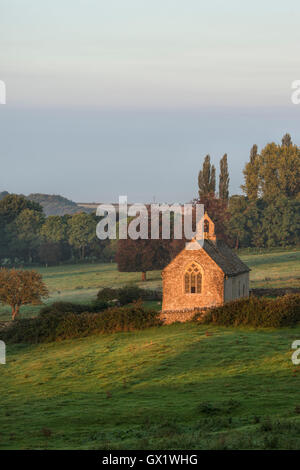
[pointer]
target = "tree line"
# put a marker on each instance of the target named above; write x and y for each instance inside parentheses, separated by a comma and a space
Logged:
(27, 236)
(268, 213)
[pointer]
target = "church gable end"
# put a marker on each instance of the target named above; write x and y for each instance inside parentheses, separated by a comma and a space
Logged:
(204, 277)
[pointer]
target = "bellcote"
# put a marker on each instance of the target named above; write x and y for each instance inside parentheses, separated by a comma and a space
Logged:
(206, 229)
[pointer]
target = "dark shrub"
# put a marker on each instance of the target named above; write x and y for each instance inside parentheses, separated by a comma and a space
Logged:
(70, 307)
(107, 294)
(62, 307)
(255, 311)
(128, 294)
(97, 306)
(59, 326)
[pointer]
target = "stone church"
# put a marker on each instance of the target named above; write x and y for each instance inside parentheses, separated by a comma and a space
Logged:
(202, 275)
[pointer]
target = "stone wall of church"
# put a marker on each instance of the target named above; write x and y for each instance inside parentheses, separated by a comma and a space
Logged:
(168, 317)
(174, 296)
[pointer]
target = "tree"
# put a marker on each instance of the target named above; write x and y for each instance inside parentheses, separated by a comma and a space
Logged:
(50, 253)
(54, 229)
(13, 204)
(280, 170)
(19, 288)
(289, 168)
(142, 255)
(27, 227)
(236, 228)
(82, 231)
(286, 140)
(281, 222)
(251, 175)
(11, 207)
(217, 211)
(224, 179)
(275, 173)
(207, 178)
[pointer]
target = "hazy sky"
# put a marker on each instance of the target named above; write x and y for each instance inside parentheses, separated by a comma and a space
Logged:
(127, 96)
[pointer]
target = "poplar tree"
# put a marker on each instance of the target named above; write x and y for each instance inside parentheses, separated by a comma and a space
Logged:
(207, 178)
(286, 140)
(251, 175)
(224, 179)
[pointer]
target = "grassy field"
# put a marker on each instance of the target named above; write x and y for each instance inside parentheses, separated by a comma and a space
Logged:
(182, 386)
(274, 269)
(81, 282)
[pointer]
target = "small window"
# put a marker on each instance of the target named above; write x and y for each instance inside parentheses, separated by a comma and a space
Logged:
(193, 280)
(206, 226)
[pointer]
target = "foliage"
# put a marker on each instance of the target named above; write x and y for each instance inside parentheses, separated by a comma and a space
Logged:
(217, 211)
(25, 234)
(127, 294)
(207, 179)
(251, 175)
(256, 311)
(273, 173)
(142, 255)
(72, 307)
(54, 229)
(19, 288)
(224, 179)
(108, 293)
(81, 231)
(12, 205)
(50, 253)
(56, 326)
(264, 224)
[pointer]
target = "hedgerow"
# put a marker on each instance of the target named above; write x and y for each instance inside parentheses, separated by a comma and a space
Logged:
(255, 311)
(60, 326)
(127, 294)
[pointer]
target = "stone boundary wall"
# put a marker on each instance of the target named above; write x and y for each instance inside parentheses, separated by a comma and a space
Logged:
(172, 316)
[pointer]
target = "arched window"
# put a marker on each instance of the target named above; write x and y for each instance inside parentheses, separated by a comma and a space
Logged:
(193, 279)
(206, 226)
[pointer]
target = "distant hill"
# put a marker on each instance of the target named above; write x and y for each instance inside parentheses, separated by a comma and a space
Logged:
(56, 205)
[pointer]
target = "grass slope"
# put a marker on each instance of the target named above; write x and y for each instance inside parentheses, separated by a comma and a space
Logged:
(182, 386)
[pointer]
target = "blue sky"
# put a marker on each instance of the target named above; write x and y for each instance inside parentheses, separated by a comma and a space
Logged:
(118, 84)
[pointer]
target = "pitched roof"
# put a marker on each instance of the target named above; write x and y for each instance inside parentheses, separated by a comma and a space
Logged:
(225, 257)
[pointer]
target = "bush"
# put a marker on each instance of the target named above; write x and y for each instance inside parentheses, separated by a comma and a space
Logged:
(62, 307)
(128, 294)
(70, 307)
(59, 326)
(107, 294)
(255, 311)
(97, 306)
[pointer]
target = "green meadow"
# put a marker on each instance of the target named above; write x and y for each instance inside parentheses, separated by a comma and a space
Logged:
(183, 386)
